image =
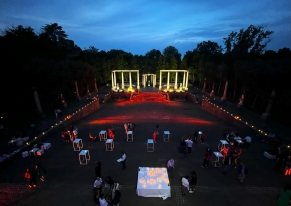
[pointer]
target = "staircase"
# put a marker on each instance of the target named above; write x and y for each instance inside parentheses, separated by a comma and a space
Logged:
(149, 97)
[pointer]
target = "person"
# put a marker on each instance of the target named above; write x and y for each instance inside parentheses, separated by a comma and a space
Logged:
(189, 144)
(30, 175)
(234, 157)
(183, 142)
(109, 183)
(203, 136)
(171, 165)
(206, 158)
(40, 172)
(98, 169)
(110, 132)
(224, 151)
(98, 186)
(123, 157)
(271, 137)
(247, 141)
(125, 128)
(102, 200)
(116, 199)
(113, 132)
(242, 171)
(287, 164)
(193, 182)
(227, 165)
(196, 133)
(92, 137)
(155, 136)
(184, 184)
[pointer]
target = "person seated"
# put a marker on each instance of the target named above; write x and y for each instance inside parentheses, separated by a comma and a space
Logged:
(92, 137)
(247, 141)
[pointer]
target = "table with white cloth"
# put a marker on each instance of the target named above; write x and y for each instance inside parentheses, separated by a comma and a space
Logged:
(153, 182)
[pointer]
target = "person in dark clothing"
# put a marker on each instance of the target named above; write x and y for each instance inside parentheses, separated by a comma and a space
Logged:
(116, 199)
(98, 169)
(193, 182)
(206, 158)
(196, 136)
(30, 175)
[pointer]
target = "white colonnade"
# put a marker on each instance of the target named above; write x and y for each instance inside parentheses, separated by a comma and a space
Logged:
(184, 84)
(153, 79)
(114, 85)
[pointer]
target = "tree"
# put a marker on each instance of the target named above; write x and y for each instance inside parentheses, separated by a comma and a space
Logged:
(54, 32)
(254, 39)
(171, 52)
(208, 47)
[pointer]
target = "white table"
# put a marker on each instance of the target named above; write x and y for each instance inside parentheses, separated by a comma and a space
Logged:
(239, 142)
(150, 145)
(216, 162)
(222, 144)
(103, 135)
(109, 144)
(77, 144)
(166, 136)
(84, 157)
(129, 135)
(153, 182)
(237, 138)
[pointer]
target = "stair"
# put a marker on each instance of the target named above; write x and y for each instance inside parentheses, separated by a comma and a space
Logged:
(149, 97)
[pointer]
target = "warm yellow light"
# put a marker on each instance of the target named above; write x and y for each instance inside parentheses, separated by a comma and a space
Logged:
(252, 126)
(246, 122)
(266, 134)
(52, 126)
(35, 137)
(43, 133)
(56, 124)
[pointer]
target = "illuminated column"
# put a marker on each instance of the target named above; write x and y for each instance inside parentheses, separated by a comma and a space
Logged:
(137, 79)
(241, 100)
(204, 85)
(212, 91)
(269, 107)
(155, 80)
(186, 83)
(95, 85)
(142, 80)
(37, 102)
(160, 86)
(168, 81)
(115, 79)
(225, 90)
(130, 83)
(112, 81)
(77, 90)
(183, 84)
(176, 80)
(122, 81)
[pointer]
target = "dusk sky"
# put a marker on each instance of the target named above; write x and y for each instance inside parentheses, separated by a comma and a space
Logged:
(139, 26)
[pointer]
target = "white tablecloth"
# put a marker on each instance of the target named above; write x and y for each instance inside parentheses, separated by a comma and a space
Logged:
(153, 182)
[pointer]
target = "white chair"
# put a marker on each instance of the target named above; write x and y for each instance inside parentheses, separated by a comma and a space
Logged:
(166, 136)
(103, 135)
(150, 145)
(222, 144)
(77, 144)
(84, 157)
(109, 144)
(129, 135)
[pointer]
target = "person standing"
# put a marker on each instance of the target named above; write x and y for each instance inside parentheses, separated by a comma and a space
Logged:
(227, 164)
(184, 184)
(193, 182)
(123, 157)
(206, 158)
(40, 172)
(171, 165)
(125, 127)
(97, 189)
(242, 171)
(98, 169)
(189, 144)
(116, 198)
(196, 133)
(30, 175)
(155, 136)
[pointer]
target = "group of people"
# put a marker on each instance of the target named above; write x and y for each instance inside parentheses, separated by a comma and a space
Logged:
(69, 135)
(186, 145)
(107, 192)
(129, 127)
(32, 174)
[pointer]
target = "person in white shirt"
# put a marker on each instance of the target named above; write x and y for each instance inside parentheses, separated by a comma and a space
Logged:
(247, 141)
(102, 200)
(171, 165)
(123, 157)
(98, 183)
(184, 184)
(189, 144)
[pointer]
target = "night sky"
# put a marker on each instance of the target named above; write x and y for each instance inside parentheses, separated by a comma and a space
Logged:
(139, 26)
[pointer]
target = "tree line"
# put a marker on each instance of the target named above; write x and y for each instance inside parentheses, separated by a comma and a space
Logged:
(49, 61)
